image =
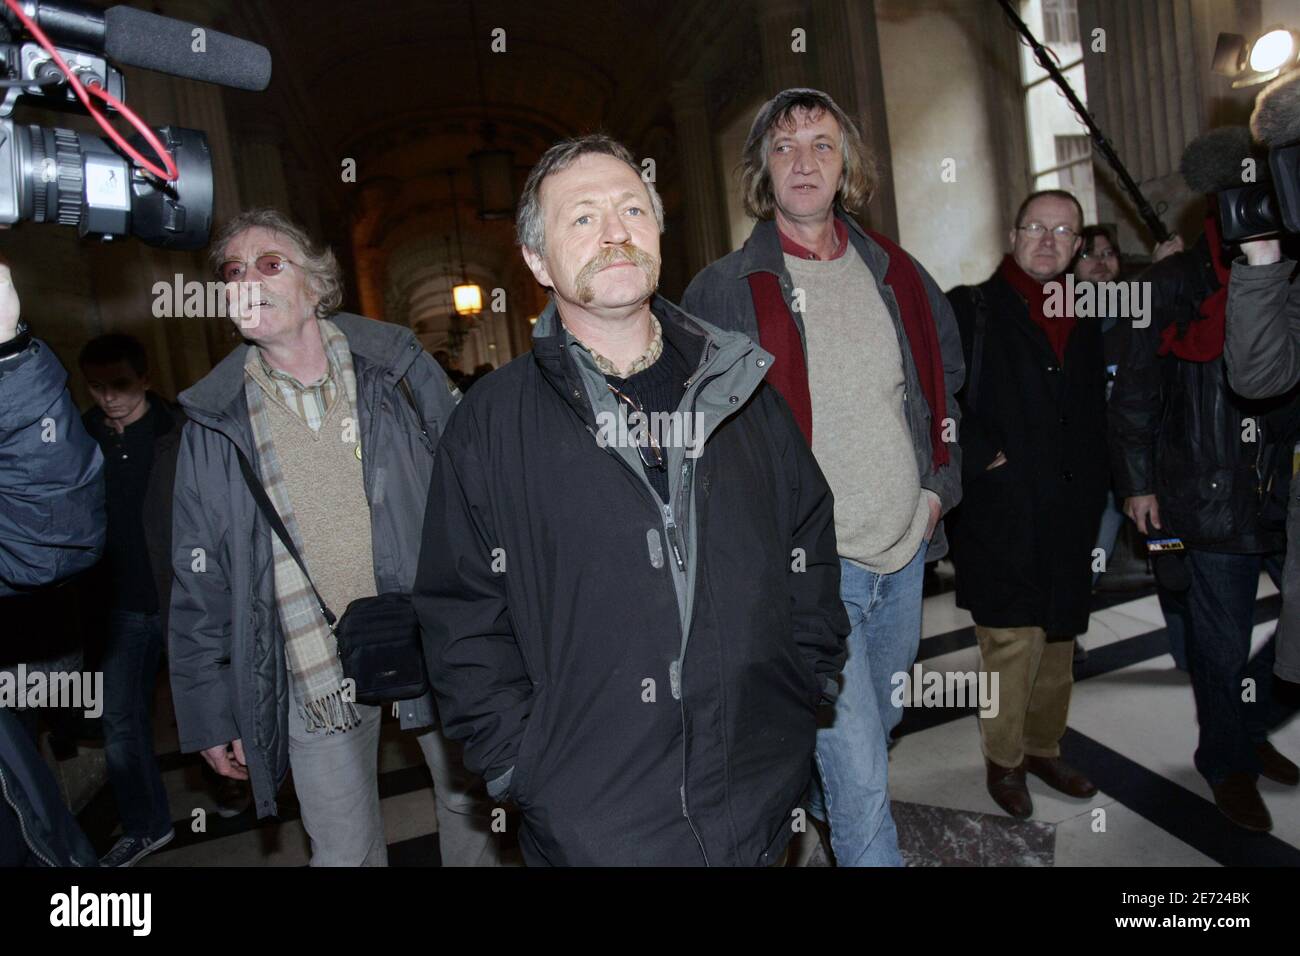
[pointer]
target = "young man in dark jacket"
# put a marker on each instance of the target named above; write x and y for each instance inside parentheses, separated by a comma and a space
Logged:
(629, 587)
(129, 421)
(1034, 482)
(1192, 460)
(867, 350)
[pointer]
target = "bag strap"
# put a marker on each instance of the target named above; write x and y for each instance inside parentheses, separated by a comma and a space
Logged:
(977, 346)
(277, 525)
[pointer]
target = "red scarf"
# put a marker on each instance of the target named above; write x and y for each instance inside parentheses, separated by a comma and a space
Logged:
(1203, 339)
(1056, 328)
(778, 334)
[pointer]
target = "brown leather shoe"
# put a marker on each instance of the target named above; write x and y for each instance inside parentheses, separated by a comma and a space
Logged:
(1239, 800)
(1007, 788)
(1276, 767)
(1059, 775)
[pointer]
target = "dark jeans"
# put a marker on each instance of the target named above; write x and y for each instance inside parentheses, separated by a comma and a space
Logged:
(1173, 604)
(130, 664)
(1221, 604)
(31, 788)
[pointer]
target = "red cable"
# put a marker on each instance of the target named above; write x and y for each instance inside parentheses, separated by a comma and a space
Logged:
(168, 170)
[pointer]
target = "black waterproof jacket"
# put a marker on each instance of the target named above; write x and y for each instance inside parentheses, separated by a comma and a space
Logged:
(1023, 535)
(1179, 431)
(641, 679)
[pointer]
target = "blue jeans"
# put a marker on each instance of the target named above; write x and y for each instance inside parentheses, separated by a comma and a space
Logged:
(130, 665)
(1222, 605)
(851, 786)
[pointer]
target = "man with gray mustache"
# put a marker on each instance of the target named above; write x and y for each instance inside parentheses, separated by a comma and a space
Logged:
(631, 637)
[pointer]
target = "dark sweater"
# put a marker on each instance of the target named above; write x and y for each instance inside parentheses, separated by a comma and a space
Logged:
(658, 388)
(128, 462)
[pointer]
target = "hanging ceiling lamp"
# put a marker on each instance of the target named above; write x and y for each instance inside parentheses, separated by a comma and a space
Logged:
(494, 168)
(494, 171)
(467, 297)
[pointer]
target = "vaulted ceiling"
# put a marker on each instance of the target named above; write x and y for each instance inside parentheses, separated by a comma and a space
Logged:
(410, 88)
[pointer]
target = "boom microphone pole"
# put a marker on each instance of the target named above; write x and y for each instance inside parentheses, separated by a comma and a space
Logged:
(1099, 140)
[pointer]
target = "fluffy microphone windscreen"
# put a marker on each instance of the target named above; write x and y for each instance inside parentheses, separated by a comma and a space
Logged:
(1276, 120)
(1213, 162)
(138, 38)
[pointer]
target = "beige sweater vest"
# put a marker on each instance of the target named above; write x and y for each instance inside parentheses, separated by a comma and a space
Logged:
(322, 475)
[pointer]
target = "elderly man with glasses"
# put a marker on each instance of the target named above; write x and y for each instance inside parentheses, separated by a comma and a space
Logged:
(337, 417)
(1034, 478)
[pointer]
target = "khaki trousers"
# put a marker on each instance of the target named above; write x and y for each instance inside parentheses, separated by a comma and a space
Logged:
(1034, 681)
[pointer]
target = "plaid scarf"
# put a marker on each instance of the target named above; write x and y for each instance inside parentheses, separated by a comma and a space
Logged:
(309, 645)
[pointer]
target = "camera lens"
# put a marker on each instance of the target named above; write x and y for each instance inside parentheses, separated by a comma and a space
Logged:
(77, 179)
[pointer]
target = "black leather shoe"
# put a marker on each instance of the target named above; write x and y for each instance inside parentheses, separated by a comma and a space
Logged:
(1059, 775)
(1239, 800)
(1276, 767)
(1007, 788)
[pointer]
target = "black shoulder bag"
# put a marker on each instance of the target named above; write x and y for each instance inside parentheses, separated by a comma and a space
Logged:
(378, 637)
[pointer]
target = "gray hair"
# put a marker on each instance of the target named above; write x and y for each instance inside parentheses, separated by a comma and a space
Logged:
(324, 276)
(530, 225)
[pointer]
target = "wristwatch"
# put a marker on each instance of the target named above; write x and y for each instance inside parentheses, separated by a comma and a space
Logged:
(22, 338)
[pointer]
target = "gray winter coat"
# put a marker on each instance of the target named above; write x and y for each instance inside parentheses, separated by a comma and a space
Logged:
(721, 292)
(1262, 355)
(229, 679)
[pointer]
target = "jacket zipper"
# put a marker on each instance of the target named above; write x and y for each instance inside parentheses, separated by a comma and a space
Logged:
(674, 542)
(671, 532)
(670, 527)
(22, 824)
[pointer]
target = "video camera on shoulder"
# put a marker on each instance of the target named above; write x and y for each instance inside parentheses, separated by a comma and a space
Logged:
(110, 186)
(1257, 202)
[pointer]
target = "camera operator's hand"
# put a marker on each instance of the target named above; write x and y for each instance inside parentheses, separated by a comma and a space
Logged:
(1262, 252)
(221, 759)
(1167, 248)
(9, 310)
(1145, 512)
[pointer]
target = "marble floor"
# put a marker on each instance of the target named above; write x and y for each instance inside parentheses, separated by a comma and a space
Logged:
(1132, 730)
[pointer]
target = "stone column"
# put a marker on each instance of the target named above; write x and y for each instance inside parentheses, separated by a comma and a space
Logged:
(1152, 92)
(706, 222)
(262, 180)
(782, 66)
(848, 64)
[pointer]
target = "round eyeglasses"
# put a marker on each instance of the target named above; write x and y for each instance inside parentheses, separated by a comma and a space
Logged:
(270, 264)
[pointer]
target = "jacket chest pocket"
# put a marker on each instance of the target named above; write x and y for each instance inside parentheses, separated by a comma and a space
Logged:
(408, 417)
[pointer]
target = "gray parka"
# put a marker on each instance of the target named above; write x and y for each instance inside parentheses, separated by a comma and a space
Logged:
(1262, 353)
(229, 678)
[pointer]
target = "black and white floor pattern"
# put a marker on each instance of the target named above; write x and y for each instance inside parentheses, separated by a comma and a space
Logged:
(1132, 730)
